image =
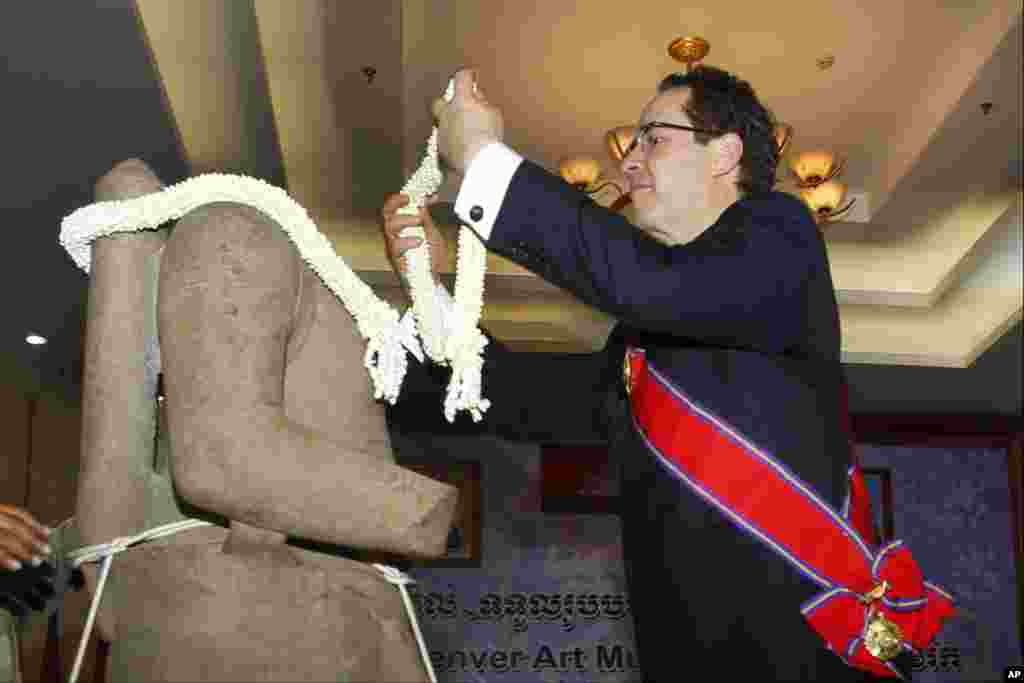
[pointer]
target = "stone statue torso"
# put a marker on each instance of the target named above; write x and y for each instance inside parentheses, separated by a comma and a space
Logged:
(331, 396)
(272, 426)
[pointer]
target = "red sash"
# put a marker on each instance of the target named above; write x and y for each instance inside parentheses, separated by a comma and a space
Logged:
(857, 506)
(873, 604)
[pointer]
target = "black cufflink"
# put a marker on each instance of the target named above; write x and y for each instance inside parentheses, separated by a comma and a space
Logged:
(476, 213)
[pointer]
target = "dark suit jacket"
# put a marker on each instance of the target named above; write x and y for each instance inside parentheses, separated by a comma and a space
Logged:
(744, 319)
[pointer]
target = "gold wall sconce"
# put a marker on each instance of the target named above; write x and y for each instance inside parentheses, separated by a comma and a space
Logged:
(584, 174)
(815, 174)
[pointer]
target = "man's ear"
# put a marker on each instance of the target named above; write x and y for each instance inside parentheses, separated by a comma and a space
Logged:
(728, 152)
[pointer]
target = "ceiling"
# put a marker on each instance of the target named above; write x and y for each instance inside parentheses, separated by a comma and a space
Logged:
(927, 266)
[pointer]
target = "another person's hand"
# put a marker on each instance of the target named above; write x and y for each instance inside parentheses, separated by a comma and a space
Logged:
(23, 540)
(467, 124)
(26, 580)
(393, 223)
(28, 588)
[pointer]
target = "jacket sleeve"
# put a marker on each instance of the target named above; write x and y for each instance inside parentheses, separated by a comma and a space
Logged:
(737, 284)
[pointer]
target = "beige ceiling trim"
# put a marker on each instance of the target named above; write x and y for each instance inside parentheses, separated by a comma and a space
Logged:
(956, 68)
(339, 128)
(530, 314)
(201, 57)
(964, 324)
(358, 240)
(552, 322)
(557, 318)
(292, 36)
(952, 334)
(917, 269)
(913, 272)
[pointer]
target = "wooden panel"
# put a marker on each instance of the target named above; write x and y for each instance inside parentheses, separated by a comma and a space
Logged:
(53, 480)
(14, 412)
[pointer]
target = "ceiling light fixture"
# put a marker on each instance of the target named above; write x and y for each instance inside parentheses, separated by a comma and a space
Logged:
(815, 176)
(35, 340)
(584, 174)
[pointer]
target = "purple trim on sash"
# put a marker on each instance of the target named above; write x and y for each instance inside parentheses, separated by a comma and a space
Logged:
(789, 477)
(743, 524)
(820, 599)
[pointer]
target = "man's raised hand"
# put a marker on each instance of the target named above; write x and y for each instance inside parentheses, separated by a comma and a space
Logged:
(467, 124)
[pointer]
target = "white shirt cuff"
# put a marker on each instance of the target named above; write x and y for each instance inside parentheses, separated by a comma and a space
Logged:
(484, 187)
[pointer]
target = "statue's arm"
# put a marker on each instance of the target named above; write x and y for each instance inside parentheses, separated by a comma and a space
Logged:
(228, 290)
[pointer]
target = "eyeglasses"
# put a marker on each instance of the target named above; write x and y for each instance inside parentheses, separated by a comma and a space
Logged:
(642, 132)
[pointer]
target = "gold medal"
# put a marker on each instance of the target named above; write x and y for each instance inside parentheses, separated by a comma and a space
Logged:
(883, 638)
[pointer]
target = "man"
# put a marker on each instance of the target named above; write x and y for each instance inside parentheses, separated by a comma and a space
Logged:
(726, 285)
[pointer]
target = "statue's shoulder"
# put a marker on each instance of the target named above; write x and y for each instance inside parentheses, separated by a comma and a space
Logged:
(238, 236)
(225, 226)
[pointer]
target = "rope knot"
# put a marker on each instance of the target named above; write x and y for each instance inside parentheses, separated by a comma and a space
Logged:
(394, 576)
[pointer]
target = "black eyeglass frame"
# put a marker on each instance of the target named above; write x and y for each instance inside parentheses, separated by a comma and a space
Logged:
(646, 128)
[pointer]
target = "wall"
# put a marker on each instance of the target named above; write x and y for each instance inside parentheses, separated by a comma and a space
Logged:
(952, 508)
(14, 411)
(39, 471)
(993, 383)
(526, 554)
(951, 505)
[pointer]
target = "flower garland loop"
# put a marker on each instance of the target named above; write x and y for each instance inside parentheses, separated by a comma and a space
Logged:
(463, 349)
(388, 336)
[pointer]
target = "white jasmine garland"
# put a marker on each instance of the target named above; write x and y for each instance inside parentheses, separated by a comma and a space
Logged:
(424, 182)
(463, 349)
(376, 320)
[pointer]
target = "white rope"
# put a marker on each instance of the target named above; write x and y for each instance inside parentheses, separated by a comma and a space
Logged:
(93, 553)
(106, 552)
(402, 580)
(93, 608)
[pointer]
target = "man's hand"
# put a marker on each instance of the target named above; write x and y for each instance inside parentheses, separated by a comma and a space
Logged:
(393, 223)
(467, 124)
(23, 540)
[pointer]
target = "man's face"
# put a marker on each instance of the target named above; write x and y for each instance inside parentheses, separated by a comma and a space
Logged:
(668, 172)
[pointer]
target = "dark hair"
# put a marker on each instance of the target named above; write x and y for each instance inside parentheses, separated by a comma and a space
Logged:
(721, 101)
